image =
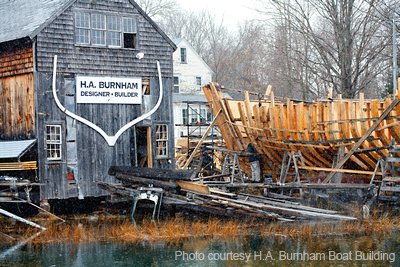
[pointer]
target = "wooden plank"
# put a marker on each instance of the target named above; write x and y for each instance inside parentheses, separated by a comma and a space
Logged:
(149, 148)
(18, 166)
(338, 170)
(196, 187)
(357, 145)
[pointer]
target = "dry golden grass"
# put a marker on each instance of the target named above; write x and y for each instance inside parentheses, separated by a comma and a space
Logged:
(116, 229)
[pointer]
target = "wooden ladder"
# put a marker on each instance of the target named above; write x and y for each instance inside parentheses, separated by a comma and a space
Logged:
(288, 159)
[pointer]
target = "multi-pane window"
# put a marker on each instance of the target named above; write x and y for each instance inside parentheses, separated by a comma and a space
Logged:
(53, 142)
(203, 115)
(162, 141)
(198, 82)
(114, 31)
(183, 55)
(176, 85)
(82, 28)
(98, 29)
(193, 115)
(184, 116)
(105, 30)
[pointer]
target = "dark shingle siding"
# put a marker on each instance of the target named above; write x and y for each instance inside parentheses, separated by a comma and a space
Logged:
(58, 38)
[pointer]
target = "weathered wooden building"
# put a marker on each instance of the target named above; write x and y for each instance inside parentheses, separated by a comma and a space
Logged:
(104, 48)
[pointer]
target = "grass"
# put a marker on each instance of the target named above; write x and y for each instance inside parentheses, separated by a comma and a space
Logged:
(117, 229)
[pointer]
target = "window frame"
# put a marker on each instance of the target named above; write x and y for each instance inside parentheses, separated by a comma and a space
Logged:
(108, 29)
(162, 141)
(49, 142)
(175, 88)
(198, 82)
(183, 54)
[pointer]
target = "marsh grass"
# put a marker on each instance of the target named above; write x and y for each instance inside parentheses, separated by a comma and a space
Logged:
(172, 230)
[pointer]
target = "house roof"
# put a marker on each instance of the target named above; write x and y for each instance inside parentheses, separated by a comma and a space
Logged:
(26, 18)
(22, 18)
(15, 149)
(183, 40)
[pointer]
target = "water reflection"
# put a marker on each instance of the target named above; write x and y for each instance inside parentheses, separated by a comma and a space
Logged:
(248, 251)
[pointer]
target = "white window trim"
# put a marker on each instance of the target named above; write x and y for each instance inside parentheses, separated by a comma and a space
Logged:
(162, 138)
(54, 141)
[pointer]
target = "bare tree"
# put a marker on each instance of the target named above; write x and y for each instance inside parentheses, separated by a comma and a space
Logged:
(340, 42)
(157, 8)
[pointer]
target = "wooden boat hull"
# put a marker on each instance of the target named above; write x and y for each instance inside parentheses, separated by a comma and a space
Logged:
(322, 131)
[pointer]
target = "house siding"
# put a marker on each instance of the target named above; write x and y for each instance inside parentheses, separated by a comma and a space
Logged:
(58, 39)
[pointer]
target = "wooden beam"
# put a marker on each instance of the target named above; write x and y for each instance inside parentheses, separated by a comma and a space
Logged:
(149, 149)
(202, 139)
(362, 139)
(196, 187)
(337, 170)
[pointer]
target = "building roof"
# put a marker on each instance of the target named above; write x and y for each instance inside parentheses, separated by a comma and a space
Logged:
(26, 18)
(15, 149)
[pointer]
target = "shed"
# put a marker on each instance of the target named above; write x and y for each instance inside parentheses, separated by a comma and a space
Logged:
(106, 74)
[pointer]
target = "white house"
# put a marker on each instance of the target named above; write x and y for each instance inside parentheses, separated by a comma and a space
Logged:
(191, 110)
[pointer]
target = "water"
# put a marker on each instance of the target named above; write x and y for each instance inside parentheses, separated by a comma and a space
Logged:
(383, 250)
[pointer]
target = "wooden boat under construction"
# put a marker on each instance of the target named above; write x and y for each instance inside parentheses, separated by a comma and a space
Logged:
(347, 134)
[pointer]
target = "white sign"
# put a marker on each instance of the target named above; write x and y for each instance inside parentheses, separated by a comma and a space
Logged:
(108, 90)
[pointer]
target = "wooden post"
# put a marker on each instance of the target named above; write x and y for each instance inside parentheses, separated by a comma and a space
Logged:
(149, 153)
(362, 139)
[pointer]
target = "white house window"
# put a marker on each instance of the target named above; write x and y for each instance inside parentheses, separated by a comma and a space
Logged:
(105, 30)
(162, 141)
(53, 142)
(176, 85)
(193, 115)
(184, 116)
(183, 55)
(198, 82)
(203, 115)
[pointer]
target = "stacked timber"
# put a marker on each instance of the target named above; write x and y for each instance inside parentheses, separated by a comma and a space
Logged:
(323, 131)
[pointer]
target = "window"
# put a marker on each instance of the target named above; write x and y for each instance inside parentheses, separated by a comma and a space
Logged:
(183, 55)
(162, 141)
(53, 142)
(98, 29)
(176, 86)
(82, 28)
(114, 31)
(203, 115)
(184, 116)
(129, 33)
(198, 82)
(193, 115)
(105, 30)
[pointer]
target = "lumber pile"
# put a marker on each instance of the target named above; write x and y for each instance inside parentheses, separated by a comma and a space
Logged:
(183, 193)
(317, 129)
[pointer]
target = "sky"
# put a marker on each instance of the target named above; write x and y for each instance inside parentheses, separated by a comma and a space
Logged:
(231, 11)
